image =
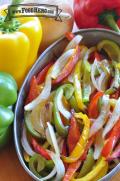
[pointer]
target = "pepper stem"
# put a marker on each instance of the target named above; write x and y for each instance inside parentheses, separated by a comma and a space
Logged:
(109, 19)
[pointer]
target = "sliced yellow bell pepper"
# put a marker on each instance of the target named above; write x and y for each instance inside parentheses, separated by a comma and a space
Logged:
(77, 86)
(19, 43)
(80, 146)
(97, 172)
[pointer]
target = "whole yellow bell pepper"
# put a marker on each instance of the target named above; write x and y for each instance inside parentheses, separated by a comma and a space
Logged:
(19, 43)
(80, 146)
(97, 172)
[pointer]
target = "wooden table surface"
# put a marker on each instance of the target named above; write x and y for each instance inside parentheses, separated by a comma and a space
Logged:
(11, 170)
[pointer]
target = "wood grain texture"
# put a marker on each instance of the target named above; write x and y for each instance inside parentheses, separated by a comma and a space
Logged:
(11, 170)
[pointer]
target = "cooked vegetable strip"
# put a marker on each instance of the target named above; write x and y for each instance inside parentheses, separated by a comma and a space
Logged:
(68, 90)
(100, 121)
(39, 149)
(77, 86)
(72, 168)
(80, 146)
(68, 67)
(112, 140)
(100, 167)
(87, 165)
(86, 82)
(115, 154)
(73, 134)
(93, 110)
(113, 119)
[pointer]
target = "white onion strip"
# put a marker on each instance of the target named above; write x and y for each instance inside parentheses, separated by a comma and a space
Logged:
(101, 81)
(25, 143)
(93, 69)
(53, 139)
(43, 95)
(60, 106)
(74, 42)
(113, 119)
(99, 122)
(59, 166)
(61, 62)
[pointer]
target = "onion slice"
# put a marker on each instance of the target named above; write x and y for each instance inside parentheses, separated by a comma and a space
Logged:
(101, 81)
(43, 95)
(93, 70)
(59, 166)
(25, 143)
(74, 42)
(99, 122)
(61, 62)
(60, 106)
(113, 119)
(52, 140)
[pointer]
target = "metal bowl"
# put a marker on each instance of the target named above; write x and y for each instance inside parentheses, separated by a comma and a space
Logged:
(90, 38)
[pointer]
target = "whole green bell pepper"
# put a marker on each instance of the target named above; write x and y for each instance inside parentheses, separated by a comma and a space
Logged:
(8, 96)
(8, 89)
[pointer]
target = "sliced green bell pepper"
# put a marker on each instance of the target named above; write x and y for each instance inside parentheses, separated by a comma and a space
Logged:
(87, 165)
(68, 90)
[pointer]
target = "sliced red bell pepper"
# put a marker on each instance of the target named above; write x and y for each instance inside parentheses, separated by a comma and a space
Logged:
(115, 154)
(42, 75)
(95, 55)
(98, 56)
(69, 66)
(112, 140)
(93, 110)
(69, 36)
(33, 91)
(73, 134)
(72, 168)
(39, 149)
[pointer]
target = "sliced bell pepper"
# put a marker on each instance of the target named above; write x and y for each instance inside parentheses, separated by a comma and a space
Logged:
(93, 110)
(77, 86)
(86, 91)
(72, 168)
(73, 134)
(73, 103)
(80, 146)
(39, 149)
(112, 140)
(98, 57)
(87, 165)
(89, 144)
(69, 66)
(33, 91)
(42, 75)
(69, 36)
(38, 164)
(68, 90)
(115, 154)
(97, 172)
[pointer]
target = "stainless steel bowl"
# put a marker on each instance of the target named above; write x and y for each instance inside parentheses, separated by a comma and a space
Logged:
(90, 38)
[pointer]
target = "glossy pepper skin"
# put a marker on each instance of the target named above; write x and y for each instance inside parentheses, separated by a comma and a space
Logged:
(97, 13)
(8, 96)
(19, 45)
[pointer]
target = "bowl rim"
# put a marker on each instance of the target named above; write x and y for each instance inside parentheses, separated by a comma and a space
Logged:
(114, 170)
